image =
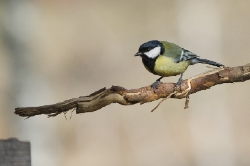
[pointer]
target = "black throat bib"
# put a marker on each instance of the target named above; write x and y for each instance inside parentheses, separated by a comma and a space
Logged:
(149, 63)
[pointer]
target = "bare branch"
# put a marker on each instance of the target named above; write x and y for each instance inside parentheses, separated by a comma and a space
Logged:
(116, 94)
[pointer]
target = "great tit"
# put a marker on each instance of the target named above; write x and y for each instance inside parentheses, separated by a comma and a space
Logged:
(168, 59)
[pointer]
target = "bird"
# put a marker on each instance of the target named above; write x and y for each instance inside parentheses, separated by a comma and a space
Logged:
(168, 59)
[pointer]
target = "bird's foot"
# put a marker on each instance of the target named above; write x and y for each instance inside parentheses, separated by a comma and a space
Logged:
(178, 83)
(186, 91)
(155, 85)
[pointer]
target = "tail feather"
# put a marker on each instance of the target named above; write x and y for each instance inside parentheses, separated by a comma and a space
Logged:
(205, 61)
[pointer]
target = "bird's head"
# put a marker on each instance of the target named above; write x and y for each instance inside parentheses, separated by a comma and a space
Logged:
(151, 49)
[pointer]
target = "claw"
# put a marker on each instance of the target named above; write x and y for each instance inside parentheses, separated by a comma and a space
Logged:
(156, 83)
(178, 83)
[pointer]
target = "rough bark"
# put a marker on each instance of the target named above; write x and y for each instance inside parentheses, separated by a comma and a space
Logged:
(117, 94)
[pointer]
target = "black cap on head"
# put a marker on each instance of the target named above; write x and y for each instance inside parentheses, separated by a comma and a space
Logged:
(150, 45)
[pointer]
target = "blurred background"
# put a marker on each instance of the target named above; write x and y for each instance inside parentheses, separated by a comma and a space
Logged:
(54, 50)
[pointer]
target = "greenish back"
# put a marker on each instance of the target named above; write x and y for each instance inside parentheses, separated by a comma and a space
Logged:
(172, 50)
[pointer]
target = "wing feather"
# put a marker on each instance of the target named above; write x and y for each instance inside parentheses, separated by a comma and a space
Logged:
(186, 55)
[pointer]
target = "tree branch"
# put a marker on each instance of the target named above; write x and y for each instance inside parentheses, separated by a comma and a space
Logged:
(117, 94)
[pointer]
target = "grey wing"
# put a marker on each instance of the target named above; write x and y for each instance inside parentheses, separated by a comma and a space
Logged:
(186, 55)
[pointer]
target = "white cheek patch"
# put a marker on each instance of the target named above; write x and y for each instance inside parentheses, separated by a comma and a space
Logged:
(154, 52)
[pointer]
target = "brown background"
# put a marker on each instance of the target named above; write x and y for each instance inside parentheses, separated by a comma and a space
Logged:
(53, 50)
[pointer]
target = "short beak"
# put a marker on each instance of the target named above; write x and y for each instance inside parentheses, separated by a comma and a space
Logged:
(138, 54)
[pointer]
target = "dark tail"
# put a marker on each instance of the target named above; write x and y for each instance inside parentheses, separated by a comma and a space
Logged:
(205, 61)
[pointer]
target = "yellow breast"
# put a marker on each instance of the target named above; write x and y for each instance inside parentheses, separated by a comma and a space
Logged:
(165, 66)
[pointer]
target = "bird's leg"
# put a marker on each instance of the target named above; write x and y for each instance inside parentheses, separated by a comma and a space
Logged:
(179, 82)
(156, 83)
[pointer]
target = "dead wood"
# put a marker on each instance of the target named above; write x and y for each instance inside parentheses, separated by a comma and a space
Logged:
(117, 94)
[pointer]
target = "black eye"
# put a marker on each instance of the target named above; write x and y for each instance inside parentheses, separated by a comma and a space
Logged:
(149, 48)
